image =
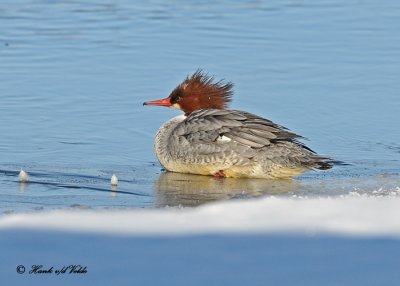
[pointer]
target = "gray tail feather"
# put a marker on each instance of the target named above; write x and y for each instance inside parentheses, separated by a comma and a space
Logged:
(329, 163)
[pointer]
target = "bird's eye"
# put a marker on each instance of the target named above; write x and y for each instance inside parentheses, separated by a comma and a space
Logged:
(175, 99)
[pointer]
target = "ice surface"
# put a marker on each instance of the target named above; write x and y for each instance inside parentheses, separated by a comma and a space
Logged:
(354, 214)
(349, 240)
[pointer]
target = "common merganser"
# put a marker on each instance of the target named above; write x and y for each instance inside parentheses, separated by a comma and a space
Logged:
(212, 140)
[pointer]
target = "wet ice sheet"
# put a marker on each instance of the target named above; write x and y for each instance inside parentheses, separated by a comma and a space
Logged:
(76, 187)
(148, 186)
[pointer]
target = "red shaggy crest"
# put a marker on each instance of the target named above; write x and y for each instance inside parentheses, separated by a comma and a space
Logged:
(199, 91)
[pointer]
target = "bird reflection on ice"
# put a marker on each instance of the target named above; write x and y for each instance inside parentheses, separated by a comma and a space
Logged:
(177, 189)
(22, 187)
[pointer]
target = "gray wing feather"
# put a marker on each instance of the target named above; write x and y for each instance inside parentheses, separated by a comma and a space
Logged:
(202, 137)
(246, 129)
(247, 138)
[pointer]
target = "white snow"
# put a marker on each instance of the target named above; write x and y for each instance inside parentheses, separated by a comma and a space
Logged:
(347, 215)
(349, 240)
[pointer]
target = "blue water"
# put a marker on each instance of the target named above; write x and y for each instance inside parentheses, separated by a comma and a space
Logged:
(74, 75)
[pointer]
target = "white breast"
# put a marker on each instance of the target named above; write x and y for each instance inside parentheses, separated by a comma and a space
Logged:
(162, 145)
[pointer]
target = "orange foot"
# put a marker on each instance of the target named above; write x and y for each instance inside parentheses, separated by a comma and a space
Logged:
(220, 174)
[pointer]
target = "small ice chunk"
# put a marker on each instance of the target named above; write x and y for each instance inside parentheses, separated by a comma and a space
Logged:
(23, 176)
(114, 180)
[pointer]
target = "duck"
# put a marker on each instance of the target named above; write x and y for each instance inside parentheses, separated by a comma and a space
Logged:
(211, 139)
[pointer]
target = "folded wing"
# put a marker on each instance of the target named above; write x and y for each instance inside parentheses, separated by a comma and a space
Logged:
(246, 129)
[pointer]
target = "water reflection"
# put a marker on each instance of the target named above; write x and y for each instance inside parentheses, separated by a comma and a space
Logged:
(114, 191)
(176, 189)
(22, 187)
